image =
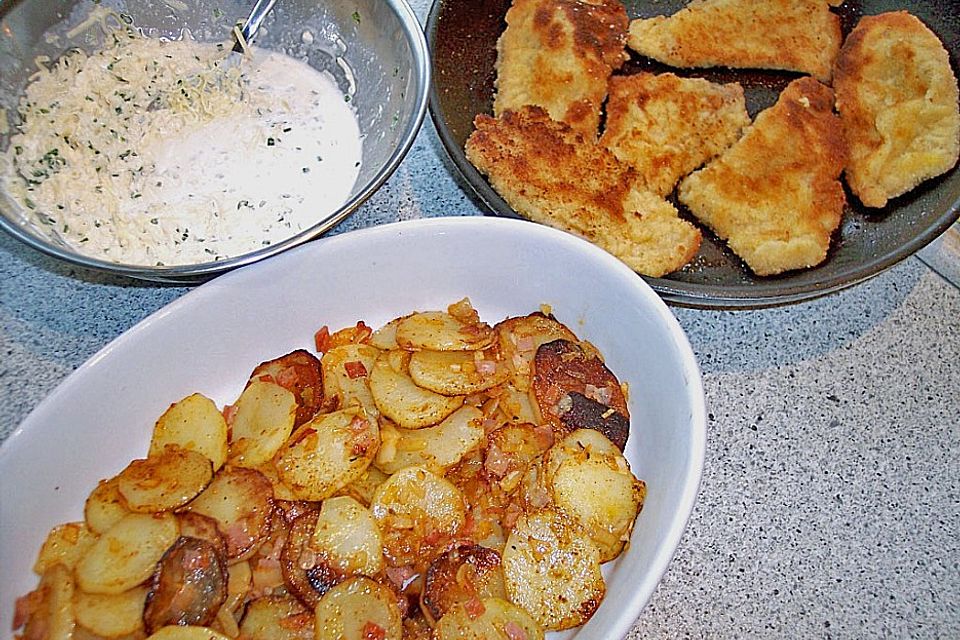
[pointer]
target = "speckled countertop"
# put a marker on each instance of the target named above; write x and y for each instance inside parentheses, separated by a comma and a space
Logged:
(830, 503)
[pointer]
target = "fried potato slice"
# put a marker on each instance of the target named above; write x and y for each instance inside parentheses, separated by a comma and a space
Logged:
(277, 618)
(50, 612)
(775, 196)
(347, 537)
(104, 506)
(358, 609)
(489, 619)
(519, 339)
(563, 368)
(165, 480)
(418, 513)
(665, 126)
(193, 423)
(399, 398)
(457, 373)
(187, 632)
(898, 100)
(511, 449)
(188, 587)
(559, 54)
(443, 331)
(552, 175)
(552, 570)
(306, 575)
(65, 544)
(346, 377)
(464, 574)
(299, 373)
(436, 448)
(127, 554)
(240, 501)
(795, 35)
(110, 615)
(598, 489)
(328, 453)
(265, 414)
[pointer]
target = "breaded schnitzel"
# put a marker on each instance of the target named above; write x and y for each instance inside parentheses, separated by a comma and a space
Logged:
(665, 126)
(775, 196)
(551, 174)
(795, 35)
(898, 101)
(559, 54)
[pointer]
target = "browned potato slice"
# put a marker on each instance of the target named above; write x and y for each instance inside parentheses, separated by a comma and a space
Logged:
(65, 544)
(193, 423)
(359, 609)
(596, 487)
(443, 331)
(418, 513)
(487, 619)
(110, 615)
(299, 373)
(264, 417)
(399, 398)
(164, 480)
(347, 537)
(519, 339)
(240, 501)
(48, 610)
(563, 368)
(187, 632)
(188, 587)
(461, 575)
(346, 376)
(306, 575)
(457, 373)
(277, 618)
(363, 488)
(104, 506)
(280, 490)
(437, 448)
(196, 525)
(126, 555)
(328, 453)
(552, 570)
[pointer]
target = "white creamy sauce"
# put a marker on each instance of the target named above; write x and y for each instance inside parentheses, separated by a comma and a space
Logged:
(160, 176)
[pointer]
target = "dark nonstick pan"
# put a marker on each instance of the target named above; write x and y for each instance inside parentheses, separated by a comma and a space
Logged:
(462, 38)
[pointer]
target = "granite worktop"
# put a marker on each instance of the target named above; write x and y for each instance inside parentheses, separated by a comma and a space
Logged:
(830, 502)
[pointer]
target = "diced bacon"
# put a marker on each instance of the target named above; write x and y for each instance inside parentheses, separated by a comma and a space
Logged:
(373, 631)
(229, 413)
(526, 343)
(474, 608)
(321, 339)
(400, 576)
(497, 463)
(355, 369)
(514, 631)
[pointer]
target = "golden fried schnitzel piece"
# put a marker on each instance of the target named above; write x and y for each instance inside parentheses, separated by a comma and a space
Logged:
(559, 54)
(665, 126)
(898, 101)
(551, 174)
(775, 196)
(796, 35)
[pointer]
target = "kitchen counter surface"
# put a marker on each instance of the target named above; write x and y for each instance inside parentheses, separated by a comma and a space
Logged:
(830, 503)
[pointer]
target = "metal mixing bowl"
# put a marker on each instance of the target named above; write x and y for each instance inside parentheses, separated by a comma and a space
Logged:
(375, 49)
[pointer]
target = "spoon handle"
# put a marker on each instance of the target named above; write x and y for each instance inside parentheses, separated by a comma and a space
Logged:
(252, 23)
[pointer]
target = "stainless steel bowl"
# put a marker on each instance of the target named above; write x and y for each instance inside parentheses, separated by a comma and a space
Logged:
(375, 49)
